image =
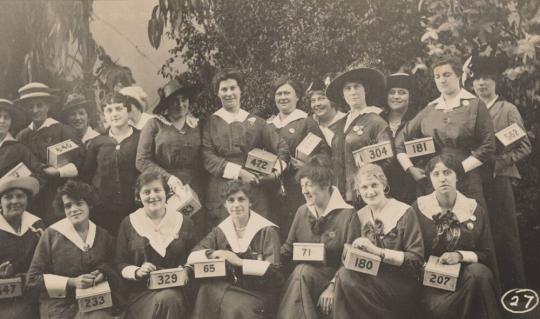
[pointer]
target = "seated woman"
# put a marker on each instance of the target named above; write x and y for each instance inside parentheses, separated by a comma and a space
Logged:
(152, 238)
(250, 245)
(456, 229)
(19, 235)
(325, 218)
(72, 253)
(390, 230)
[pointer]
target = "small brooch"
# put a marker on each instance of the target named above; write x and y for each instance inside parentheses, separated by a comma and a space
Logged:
(473, 218)
(470, 226)
(358, 129)
(331, 234)
(292, 130)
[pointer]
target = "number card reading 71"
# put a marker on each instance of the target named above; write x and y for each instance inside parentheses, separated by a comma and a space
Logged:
(308, 252)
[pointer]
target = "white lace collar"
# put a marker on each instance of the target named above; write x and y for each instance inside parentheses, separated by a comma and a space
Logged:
(239, 245)
(463, 208)
(48, 122)
(66, 228)
(335, 202)
(7, 138)
(295, 115)
(27, 220)
(145, 117)
(441, 104)
(229, 117)
(119, 139)
(159, 236)
(389, 215)
(89, 134)
(191, 121)
(366, 110)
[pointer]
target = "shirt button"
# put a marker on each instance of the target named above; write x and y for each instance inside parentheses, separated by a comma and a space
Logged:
(117, 147)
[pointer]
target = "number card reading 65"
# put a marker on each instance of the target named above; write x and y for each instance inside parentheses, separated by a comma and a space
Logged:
(373, 153)
(10, 287)
(308, 252)
(167, 278)
(210, 268)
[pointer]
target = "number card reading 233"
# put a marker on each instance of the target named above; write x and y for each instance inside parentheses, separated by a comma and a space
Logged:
(441, 276)
(167, 278)
(10, 287)
(308, 252)
(94, 298)
(373, 153)
(210, 268)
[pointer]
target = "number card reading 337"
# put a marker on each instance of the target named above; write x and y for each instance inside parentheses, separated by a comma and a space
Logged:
(94, 298)
(419, 147)
(210, 268)
(441, 276)
(308, 252)
(373, 153)
(167, 278)
(10, 288)
(362, 261)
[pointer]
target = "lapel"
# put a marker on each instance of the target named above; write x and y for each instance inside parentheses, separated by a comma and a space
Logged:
(8, 138)
(27, 220)
(255, 224)
(65, 227)
(89, 134)
(463, 208)
(389, 215)
(229, 117)
(336, 202)
(48, 122)
(295, 115)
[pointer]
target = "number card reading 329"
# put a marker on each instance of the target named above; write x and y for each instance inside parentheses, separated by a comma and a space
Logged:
(210, 268)
(373, 153)
(94, 298)
(441, 276)
(10, 288)
(308, 252)
(419, 147)
(362, 261)
(166, 278)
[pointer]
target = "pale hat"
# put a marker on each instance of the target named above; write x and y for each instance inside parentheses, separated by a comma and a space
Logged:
(28, 183)
(35, 90)
(136, 93)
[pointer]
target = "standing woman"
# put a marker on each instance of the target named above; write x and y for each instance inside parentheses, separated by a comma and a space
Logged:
(76, 113)
(325, 219)
(228, 136)
(399, 110)
(152, 238)
(362, 90)
(19, 235)
(293, 125)
(171, 144)
(459, 124)
(250, 245)
(109, 166)
(456, 229)
(72, 253)
(390, 230)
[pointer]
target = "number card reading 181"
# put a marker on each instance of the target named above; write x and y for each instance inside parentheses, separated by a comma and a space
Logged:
(210, 268)
(10, 287)
(373, 153)
(419, 147)
(362, 261)
(308, 252)
(94, 298)
(167, 278)
(510, 134)
(441, 276)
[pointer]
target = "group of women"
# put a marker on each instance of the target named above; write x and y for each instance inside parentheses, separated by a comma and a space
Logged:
(398, 210)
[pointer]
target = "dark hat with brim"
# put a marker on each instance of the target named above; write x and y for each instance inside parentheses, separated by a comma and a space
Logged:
(35, 90)
(371, 79)
(400, 80)
(487, 66)
(169, 91)
(74, 101)
(18, 117)
(29, 184)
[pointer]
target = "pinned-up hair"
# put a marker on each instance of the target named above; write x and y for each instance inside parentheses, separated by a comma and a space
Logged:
(318, 169)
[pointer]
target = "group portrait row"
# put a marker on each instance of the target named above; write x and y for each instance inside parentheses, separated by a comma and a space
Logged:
(384, 211)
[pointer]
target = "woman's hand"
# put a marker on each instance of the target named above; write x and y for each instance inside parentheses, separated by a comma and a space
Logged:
(366, 245)
(417, 173)
(100, 277)
(82, 282)
(296, 163)
(145, 270)
(184, 278)
(450, 258)
(175, 184)
(6, 269)
(51, 171)
(229, 256)
(326, 300)
(248, 177)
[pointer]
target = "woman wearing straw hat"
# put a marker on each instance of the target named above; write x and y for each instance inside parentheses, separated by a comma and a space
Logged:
(138, 99)
(19, 235)
(44, 131)
(76, 113)
(362, 90)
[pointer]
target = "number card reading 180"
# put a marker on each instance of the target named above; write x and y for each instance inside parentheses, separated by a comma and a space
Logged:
(94, 298)
(166, 278)
(308, 252)
(362, 261)
(419, 147)
(10, 287)
(441, 276)
(510, 134)
(373, 153)
(210, 268)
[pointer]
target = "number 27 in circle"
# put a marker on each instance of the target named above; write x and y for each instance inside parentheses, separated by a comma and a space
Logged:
(519, 300)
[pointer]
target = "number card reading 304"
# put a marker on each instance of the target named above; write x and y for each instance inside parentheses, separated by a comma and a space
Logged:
(10, 288)
(308, 252)
(362, 261)
(373, 153)
(510, 134)
(210, 268)
(167, 278)
(419, 147)
(441, 276)
(94, 298)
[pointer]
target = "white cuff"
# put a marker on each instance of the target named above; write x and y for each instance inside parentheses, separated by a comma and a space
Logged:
(282, 168)
(404, 161)
(55, 285)
(232, 171)
(68, 170)
(252, 267)
(394, 257)
(471, 163)
(468, 256)
(129, 272)
(333, 280)
(197, 256)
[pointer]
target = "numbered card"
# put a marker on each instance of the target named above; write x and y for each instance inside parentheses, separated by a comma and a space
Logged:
(510, 134)
(260, 161)
(10, 287)
(373, 153)
(441, 276)
(307, 146)
(61, 154)
(94, 298)
(186, 203)
(362, 261)
(308, 252)
(167, 278)
(20, 170)
(211, 268)
(419, 147)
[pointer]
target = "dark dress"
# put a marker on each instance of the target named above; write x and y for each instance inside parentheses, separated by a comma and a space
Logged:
(337, 226)
(226, 142)
(13, 152)
(61, 254)
(476, 294)
(395, 291)
(329, 131)
(136, 245)
(250, 291)
(19, 249)
(110, 167)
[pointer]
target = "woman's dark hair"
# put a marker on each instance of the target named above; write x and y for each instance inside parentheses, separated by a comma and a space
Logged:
(127, 101)
(75, 190)
(455, 63)
(279, 82)
(228, 74)
(449, 161)
(147, 177)
(318, 169)
(236, 186)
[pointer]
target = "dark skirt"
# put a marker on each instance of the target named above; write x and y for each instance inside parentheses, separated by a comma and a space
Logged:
(18, 308)
(67, 308)
(168, 303)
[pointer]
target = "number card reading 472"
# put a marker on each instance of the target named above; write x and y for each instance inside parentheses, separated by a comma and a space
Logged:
(10, 287)
(441, 276)
(373, 153)
(308, 252)
(210, 268)
(167, 278)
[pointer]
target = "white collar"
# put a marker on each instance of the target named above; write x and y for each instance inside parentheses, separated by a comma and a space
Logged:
(191, 121)
(48, 122)
(7, 138)
(119, 139)
(366, 110)
(229, 117)
(27, 220)
(338, 116)
(441, 104)
(335, 202)
(463, 208)
(89, 134)
(239, 245)
(142, 121)
(389, 215)
(66, 228)
(492, 102)
(159, 236)
(293, 116)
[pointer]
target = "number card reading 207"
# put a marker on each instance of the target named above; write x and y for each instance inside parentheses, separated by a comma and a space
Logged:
(441, 276)
(373, 153)
(308, 252)
(166, 278)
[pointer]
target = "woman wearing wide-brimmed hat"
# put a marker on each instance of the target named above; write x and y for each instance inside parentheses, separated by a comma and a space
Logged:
(362, 89)
(171, 143)
(19, 235)
(44, 131)
(76, 113)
